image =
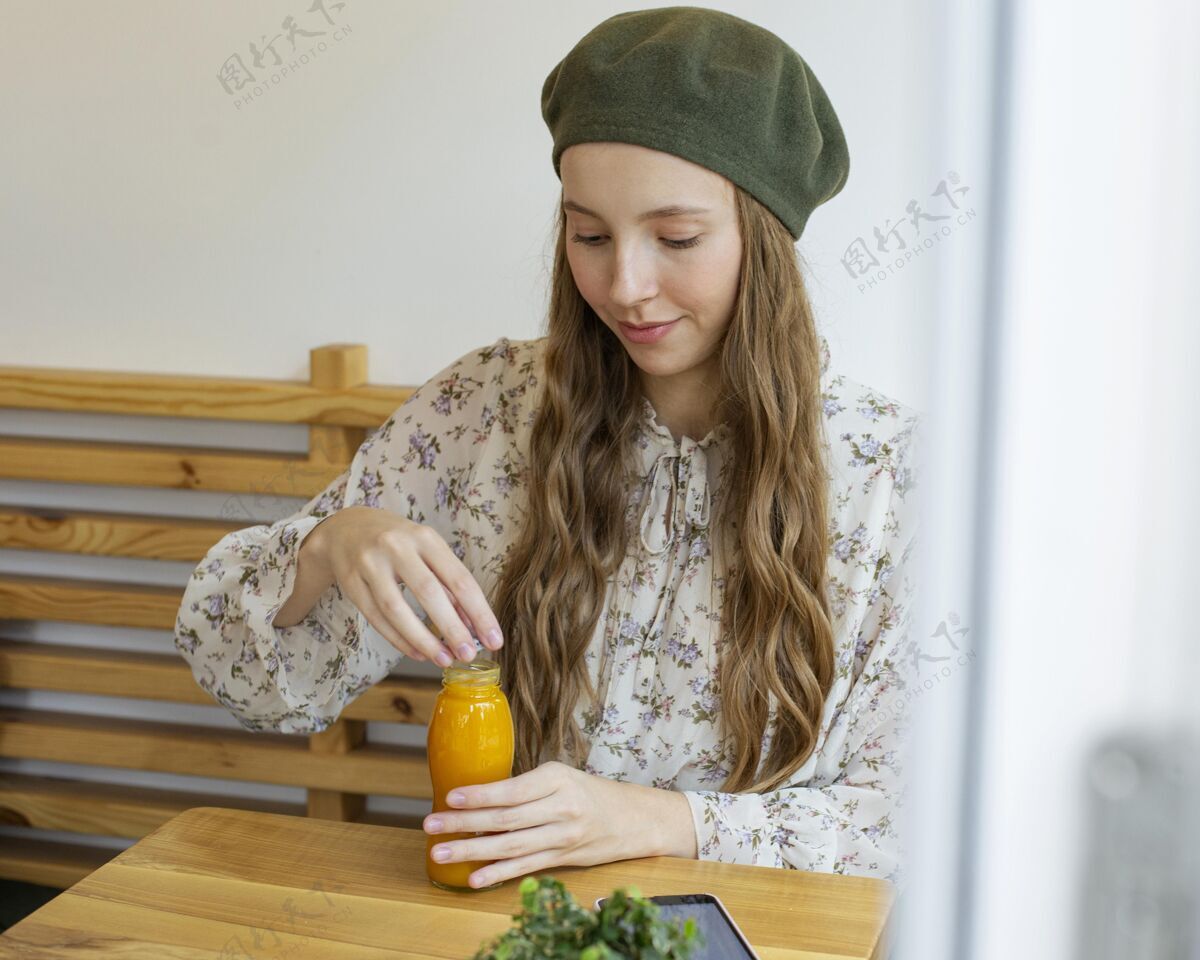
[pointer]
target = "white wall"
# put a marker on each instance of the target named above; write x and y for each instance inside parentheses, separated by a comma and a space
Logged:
(394, 190)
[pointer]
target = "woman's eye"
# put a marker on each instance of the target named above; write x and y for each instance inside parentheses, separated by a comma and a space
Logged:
(675, 244)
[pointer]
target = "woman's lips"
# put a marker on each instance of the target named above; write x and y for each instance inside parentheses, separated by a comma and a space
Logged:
(646, 334)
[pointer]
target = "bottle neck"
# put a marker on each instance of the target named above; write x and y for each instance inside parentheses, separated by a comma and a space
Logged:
(481, 691)
(479, 678)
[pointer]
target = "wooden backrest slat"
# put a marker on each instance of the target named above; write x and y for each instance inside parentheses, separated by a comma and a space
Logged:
(215, 398)
(276, 758)
(85, 601)
(161, 676)
(97, 534)
(107, 809)
(116, 810)
(169, 467)
(49, 863)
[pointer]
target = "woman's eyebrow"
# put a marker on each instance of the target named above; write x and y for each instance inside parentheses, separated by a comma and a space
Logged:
(660, 213)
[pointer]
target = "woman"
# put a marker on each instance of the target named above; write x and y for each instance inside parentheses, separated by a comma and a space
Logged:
(703, 641)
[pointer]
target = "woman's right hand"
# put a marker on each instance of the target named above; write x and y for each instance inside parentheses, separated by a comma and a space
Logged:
(371, 552)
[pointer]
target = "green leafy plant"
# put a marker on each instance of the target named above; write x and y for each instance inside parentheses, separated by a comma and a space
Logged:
(551, 924)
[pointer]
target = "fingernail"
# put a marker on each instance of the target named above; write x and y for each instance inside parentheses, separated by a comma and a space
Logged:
(495, 639)
(478, 880)
(444, 659)
(433, 826)
(455, 798)
(441, 853)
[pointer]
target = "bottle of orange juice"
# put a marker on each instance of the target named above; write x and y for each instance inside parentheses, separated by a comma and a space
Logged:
(470, 741)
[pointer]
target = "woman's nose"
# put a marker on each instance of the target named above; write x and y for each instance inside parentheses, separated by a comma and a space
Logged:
(634, 278)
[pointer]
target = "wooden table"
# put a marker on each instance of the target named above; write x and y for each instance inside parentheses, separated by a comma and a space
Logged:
(240, 885)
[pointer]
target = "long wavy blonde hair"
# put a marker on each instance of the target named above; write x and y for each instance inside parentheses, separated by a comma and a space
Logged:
(776, 647)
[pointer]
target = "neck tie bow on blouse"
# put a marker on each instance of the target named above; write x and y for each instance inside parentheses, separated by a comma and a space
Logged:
(678, 499)
(678, 496)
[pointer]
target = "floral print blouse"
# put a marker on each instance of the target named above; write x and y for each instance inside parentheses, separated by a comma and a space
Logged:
(453, 456)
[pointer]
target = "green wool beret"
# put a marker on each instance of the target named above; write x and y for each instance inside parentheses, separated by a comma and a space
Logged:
(709, 87)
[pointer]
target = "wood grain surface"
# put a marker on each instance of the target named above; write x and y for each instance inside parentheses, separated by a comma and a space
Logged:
(243, 885)
(164, 676)
(339, 395)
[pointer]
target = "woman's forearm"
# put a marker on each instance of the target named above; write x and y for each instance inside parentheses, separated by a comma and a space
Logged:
(313, 578)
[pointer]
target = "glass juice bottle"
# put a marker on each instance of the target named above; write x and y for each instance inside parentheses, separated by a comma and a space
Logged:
(470, 741)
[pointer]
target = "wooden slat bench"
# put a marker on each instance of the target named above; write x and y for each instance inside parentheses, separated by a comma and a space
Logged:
(337, 768)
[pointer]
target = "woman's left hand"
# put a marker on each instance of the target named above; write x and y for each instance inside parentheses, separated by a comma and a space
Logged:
(554, 816)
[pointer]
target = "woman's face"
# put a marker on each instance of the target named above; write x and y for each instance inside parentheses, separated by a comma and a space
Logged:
(636, 264)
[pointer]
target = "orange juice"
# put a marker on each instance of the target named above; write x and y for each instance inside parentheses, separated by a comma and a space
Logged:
(470, 741)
